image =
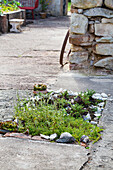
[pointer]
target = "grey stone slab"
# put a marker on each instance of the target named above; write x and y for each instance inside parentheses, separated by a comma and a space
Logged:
(104, 30)
(79, 24)
(78, 57)
(84, 4)
(19, 154)
(73, 80)
(105, 63)
(8, 100)
(105, 39)
(109, 3)
(80, 39)
(104, 49)
(102, 151)
(96, 12)
(105, 20)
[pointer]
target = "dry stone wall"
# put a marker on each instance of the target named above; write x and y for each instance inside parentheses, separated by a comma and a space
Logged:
(91, 34)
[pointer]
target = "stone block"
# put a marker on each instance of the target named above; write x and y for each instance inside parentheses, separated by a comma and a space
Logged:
(73, 10)
(109, 3)
(104, 29)
(106, 21)
(80, 39)
(75, 66)
(78, 57)
(75, 48)
(91, 28)
(85, 4)
(105, 63)
(86, 44)
(79, 24)
(105, 40)
(99, 12)
(104, 49)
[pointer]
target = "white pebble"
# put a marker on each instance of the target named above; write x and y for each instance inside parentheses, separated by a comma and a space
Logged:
(93, 123)
(101, 104)
(45, 136)
(53, 136)
(80, 11)
(104, 95)
(97, 96)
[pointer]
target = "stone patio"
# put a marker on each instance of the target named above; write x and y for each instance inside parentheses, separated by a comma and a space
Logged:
(32, 57)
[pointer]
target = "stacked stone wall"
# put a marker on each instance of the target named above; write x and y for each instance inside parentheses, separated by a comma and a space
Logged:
(91, 34)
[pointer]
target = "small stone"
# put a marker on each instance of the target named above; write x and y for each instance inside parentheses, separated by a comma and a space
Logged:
(84, 139)
(91, 28)
(58, 91)
(93, 123)
(97, 22)
(104, 99)
(16, 120)
(96, 118)
(44, 136)
(104, 95)
(37, 138)
(75, 93)
(83, 144)
(98, 110)
(87, 117)
(97, 96)
(55, 96)
(18, 135)
(53, 136)
(65, 134)
(66, 138)
(97, 114)
(111, 100)
(102, 104)
(2, 131)
(72, 94)
(72, 101)
(80, 11)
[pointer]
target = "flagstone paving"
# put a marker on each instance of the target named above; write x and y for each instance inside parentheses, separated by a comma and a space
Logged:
(32, 57)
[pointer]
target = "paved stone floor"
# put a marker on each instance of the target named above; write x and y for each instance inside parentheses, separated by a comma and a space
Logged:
(29, 57)
(101, 153)
(32, 57)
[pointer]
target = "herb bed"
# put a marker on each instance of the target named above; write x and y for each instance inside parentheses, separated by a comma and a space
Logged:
(57, 112)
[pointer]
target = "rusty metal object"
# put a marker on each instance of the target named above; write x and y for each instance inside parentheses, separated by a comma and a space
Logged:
(63, 48)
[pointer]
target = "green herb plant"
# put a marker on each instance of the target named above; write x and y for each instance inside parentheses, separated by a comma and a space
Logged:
(47, 115)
